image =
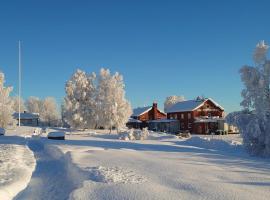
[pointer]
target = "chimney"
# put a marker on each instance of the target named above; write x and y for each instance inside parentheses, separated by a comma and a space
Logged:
(155, 111)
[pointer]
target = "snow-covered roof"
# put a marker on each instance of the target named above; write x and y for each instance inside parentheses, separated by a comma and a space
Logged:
(208, 119)
(131, 120)
(164, 120)
(56, 134)
(140, 110)
(190, 105)
(26, 115)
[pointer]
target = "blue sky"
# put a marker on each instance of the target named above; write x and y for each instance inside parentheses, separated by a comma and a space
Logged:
(162, 48)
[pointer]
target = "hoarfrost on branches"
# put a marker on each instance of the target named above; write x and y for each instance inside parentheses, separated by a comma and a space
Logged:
(46, 108)
(171, 100)
(49, 113)
(16, 103)
(92, 102)
(6, 104)
(254, 120)
(113, 110)
(33, 105)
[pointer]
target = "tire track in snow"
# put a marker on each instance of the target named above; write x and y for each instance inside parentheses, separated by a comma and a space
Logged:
(54, 178)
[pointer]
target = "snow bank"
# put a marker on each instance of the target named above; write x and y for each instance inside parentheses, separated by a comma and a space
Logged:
(134, 134)
(17, 163)
(214, 144)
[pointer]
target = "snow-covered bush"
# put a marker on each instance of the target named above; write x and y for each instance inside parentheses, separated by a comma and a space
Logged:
(254, 121)
(134, 134)
(171, 100)
(6, 104)
(184, 135)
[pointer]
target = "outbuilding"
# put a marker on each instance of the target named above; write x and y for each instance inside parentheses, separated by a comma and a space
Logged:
(142, 115)
(27, 119)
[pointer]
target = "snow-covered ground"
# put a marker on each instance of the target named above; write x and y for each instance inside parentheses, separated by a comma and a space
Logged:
(96, 165)
(17, 163)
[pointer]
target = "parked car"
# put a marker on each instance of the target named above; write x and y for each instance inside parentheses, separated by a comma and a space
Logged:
(56, 135)
(2, 131)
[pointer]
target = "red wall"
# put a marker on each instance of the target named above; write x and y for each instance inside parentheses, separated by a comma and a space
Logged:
(152, 114)
(208, 108)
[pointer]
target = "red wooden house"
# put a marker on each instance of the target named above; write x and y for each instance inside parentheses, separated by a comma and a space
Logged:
(200, 116)
(142, 115)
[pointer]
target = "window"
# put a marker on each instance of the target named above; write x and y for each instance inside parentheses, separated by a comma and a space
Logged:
(209, 114)
(182, 116)
(189, 125)
(182, 126)
(175, 116)
(189, 115)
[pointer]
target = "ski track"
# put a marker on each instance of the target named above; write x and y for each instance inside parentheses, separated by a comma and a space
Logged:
(54, 178)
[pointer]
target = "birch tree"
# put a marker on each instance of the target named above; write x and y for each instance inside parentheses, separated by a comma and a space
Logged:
(16, 103)
(33, 105)
(254, 120)
(171, 100)
(6, 103)
(49, 112)
(79, 103)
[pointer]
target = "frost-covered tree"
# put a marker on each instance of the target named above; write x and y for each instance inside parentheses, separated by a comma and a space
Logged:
(46, 108)
(254, 120)
(171, 100)
(6, 103)
(33, 105)
(16, 103)
(91, 104)
(49, 114)
(79, 103)
(113, 110)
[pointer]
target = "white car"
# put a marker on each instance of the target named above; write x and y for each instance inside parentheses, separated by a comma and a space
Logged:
(2, 131)
(56, 135)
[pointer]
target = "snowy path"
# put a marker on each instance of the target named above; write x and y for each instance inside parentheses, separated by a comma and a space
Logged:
(51, 179)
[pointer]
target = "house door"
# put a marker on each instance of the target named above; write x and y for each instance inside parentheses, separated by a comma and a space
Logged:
(199, 129)
(206, 128)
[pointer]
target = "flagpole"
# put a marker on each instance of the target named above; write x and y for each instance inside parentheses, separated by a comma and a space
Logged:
(19, 83)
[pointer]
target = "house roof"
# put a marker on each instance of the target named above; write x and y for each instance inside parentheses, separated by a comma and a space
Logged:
(190, 105)
(164, 120)
(140, 110)
(131, 120)
(26, 115)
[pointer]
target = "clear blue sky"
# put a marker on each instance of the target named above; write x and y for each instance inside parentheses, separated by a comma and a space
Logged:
(162, 48)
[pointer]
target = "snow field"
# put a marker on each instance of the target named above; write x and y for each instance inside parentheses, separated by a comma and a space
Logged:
(93, 165)
(197, 168)
(16, 166)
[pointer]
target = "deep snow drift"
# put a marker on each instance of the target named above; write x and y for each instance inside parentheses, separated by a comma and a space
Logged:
(16, 166)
